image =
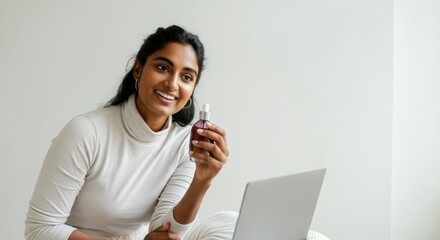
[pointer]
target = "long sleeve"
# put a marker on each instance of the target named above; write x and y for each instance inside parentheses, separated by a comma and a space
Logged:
(61, 178)
(172, 194)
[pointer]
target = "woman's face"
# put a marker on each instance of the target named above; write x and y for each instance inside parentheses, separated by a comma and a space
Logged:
(165, 83)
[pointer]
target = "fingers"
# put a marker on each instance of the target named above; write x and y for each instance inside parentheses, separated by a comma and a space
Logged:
(217, 135)
(209, 155)
(163, 228)
(162, 233)
(205, 159)
(208, 151)
(217, 129)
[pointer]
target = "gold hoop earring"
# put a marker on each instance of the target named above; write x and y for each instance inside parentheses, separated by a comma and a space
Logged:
(190, 103)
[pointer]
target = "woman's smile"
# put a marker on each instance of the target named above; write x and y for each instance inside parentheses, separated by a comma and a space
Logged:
(166, 96)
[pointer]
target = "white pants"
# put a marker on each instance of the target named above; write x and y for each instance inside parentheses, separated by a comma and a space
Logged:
(215, 226)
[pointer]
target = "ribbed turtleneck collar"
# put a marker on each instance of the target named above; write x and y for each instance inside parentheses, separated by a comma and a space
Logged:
(135, 124)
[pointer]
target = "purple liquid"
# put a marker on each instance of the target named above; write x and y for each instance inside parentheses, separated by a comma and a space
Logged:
(201, 124)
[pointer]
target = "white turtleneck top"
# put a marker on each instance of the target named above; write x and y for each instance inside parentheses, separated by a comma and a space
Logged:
(107, 173)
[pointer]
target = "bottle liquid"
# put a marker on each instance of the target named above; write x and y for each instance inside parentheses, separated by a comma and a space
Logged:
(202, 123)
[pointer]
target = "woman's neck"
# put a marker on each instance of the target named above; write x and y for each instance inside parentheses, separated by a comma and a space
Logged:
(155, 125)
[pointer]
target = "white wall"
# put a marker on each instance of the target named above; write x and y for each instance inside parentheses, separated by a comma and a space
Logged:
(298, 85)
(416, 154)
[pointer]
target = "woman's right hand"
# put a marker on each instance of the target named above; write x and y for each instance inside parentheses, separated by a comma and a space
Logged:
(162, 233)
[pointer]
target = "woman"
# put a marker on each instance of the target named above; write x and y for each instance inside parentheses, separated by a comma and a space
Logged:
(111, 172)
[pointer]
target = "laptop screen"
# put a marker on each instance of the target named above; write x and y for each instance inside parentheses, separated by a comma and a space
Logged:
(280, 207)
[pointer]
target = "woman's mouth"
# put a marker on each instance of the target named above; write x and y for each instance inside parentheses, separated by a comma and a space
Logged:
(165, 95)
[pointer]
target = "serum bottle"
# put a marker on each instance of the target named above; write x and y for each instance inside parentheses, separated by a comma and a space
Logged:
(202, 123)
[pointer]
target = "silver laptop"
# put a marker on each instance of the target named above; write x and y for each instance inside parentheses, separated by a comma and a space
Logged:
(279, 208)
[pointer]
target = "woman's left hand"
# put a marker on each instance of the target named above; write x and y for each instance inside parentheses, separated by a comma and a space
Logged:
(209, 165)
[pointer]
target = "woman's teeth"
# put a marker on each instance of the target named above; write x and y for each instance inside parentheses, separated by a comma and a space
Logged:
(167, 96)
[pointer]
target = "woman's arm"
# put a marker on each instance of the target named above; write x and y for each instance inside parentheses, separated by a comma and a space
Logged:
(77, 235)
(186, 210)
(207, 167)
(181, 198)
(60, 181)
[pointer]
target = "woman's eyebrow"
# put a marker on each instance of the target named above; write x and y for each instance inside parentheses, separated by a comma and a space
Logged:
(172, 64)
(166, 60)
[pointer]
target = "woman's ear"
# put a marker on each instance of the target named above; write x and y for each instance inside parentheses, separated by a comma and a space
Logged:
(137, 70)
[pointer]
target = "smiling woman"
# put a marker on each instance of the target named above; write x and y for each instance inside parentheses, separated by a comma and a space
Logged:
(113, 172)
(165, 83)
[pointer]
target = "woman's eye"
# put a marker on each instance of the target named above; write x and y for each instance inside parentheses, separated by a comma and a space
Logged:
(162, 68)
(187, 77)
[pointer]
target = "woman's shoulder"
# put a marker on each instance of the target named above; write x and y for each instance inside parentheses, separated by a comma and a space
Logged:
(102, 112)
(100, 115)
(90, 120)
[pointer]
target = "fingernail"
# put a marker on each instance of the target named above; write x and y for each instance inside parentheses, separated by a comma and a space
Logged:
(195, 141)
(210, 124)
(191, 153)
(199, 130)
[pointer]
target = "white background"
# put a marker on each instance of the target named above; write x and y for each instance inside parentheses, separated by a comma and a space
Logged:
(350, 85)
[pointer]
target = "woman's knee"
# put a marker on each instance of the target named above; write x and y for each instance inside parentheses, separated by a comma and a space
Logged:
(217, 225)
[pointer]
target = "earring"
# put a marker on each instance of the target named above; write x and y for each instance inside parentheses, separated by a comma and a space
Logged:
(136, 83)
(190, 103)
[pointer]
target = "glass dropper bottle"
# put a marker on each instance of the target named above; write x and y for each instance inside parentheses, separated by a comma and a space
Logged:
(202, 123)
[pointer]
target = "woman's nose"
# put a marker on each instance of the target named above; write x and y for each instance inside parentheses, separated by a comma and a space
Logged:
(171, 82)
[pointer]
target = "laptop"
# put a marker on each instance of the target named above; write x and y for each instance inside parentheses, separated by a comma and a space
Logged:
(279, 208)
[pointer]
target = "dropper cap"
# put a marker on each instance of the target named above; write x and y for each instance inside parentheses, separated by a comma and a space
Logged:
(205, 114)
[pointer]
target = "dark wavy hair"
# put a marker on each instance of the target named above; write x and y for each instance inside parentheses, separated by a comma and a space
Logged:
(156, 42)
